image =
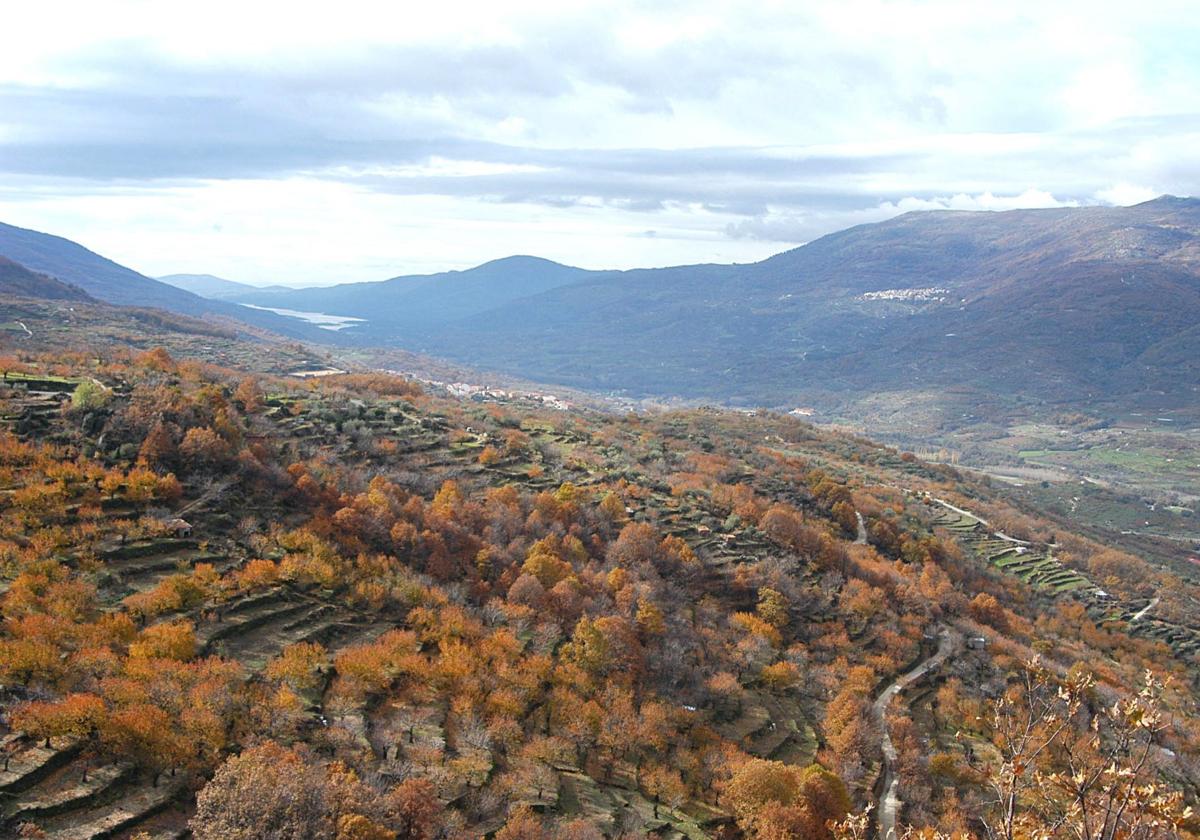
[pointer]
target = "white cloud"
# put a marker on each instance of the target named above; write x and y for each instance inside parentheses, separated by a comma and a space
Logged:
(1124, 195)
(1029, 199)
(799, 227)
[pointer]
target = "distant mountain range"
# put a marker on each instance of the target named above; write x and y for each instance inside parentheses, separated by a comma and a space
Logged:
(422, 305)
(215, 288)
(1053, 305)
(1057, 306)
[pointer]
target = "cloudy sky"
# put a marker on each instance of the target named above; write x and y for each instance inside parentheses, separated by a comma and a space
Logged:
(324, 142)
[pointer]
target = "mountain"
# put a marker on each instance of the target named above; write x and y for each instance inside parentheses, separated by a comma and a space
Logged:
(1055, 305)
(99, 276)
(214, 288)
(418, 304)
(18, 281)
(937, 311)
(1046, 302)
(113, 283)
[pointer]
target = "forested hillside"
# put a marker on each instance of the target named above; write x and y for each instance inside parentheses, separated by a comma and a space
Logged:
(18, 281)
(350, 607)
(74, 265)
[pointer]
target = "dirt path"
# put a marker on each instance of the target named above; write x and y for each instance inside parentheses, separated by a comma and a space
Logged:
(28, 332)
(962, 512)
(212, 492)
(861, 539)
(1000, 535)
(889, 799)
(1140, 614)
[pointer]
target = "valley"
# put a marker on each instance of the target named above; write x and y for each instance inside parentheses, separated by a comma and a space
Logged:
(610, 421)
(960, 336)
(497, 606)
(759, 581)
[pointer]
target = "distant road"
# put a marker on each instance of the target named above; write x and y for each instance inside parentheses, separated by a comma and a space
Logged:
(959, 510)
(889, 799)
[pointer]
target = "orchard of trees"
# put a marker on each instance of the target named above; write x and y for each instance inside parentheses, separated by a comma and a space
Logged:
(403, 616)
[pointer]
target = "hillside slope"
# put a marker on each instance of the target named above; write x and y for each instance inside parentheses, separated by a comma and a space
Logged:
(18, 281)
(425, 616)
(1054, 304)
(114, 283)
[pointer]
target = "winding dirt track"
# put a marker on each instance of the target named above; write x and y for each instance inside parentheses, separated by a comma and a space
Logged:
(889, 799)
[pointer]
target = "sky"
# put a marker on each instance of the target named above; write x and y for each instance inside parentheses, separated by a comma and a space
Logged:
(315, 143)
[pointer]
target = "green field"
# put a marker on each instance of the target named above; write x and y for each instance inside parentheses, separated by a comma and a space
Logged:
(18, 376)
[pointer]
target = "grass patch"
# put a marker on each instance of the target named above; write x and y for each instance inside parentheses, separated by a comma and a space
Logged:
(18, 376)
(1130, 460)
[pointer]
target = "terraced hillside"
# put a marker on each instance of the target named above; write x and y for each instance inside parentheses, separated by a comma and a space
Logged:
(1035, 565)
(490, 616)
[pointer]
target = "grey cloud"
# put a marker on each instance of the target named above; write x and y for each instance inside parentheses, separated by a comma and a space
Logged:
(559, 202)
(105, 136)
(642, 205)
(147, 117)
(737, 208)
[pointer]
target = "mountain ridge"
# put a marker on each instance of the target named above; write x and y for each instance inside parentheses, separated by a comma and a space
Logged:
(829, 321)
(111, 282)
(423, 300)
(19, 281)
(1049, 305)
(212, 287)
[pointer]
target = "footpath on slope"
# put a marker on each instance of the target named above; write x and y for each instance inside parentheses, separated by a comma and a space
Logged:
(889, 799)
(998, 534)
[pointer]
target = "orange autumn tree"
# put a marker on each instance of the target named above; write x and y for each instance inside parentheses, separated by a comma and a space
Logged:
(770, 799)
